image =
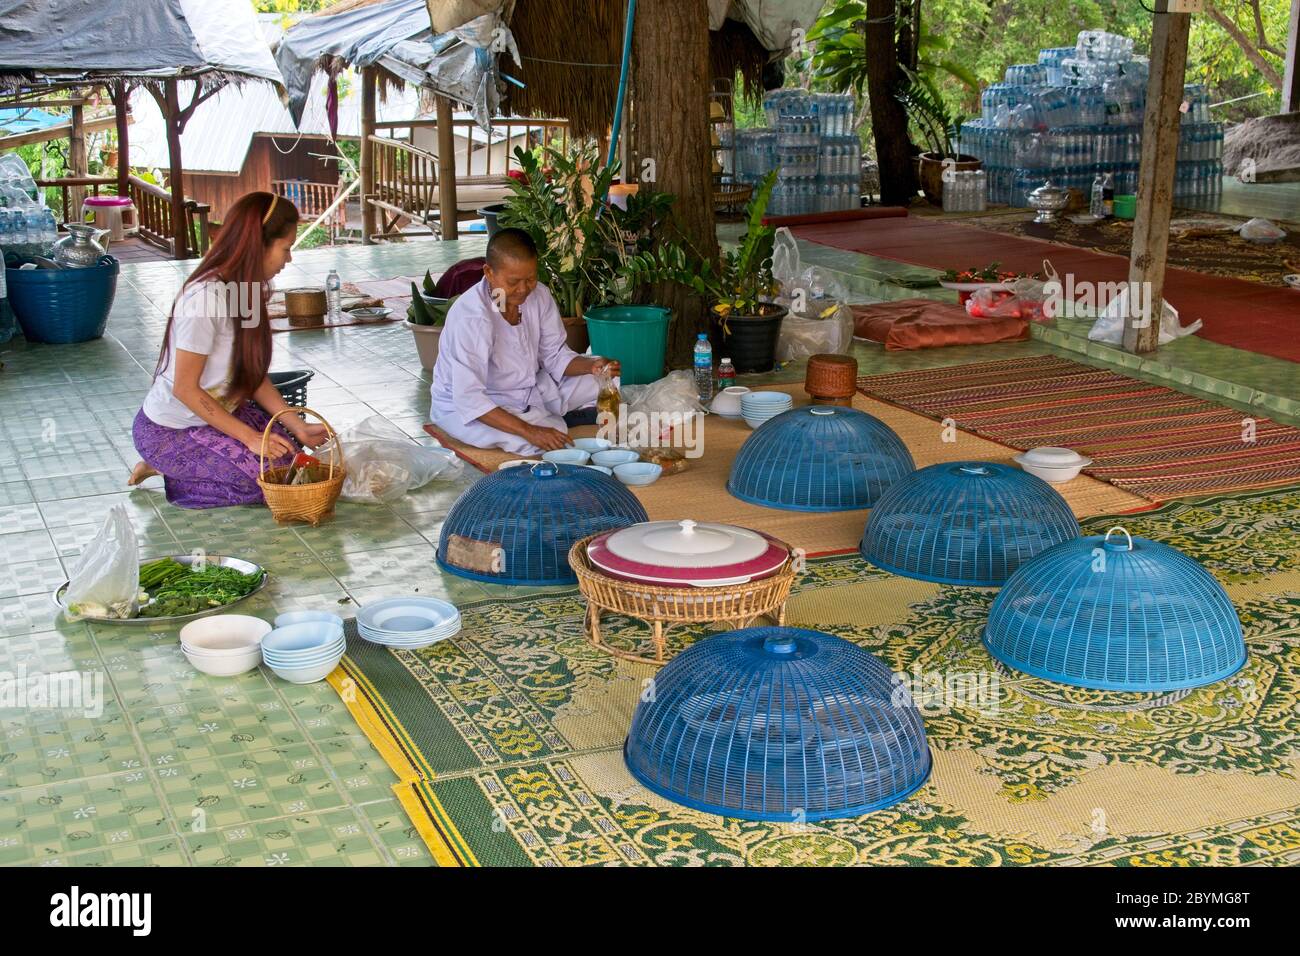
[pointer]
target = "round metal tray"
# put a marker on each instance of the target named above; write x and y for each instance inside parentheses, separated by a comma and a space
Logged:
(221, 561)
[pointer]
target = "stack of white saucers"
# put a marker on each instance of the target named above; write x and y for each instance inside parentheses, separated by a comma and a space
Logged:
(758, 407)
(307, 651)
(408, 622)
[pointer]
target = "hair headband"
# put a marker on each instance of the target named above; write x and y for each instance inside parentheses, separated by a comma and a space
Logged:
(271, 208)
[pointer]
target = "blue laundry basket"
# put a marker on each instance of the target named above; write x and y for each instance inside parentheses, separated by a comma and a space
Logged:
(965, 522)
(779, 724)
(516, 526)
(62, 306)
(819, 458)
(1116, 614)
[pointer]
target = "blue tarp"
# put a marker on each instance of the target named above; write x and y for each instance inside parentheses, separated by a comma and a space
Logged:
(27, 119)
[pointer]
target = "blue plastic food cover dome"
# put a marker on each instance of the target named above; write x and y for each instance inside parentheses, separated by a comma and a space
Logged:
(819, 458)
(516, 526)
(780, 724)
(965, 522)
(1116, 613)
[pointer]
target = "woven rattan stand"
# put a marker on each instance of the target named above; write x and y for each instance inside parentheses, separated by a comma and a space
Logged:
(661, 606)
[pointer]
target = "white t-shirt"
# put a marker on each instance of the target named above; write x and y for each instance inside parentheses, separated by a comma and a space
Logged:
(201, 324)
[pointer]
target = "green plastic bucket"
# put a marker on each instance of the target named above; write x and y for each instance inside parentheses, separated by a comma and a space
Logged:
(636, 335)
(1126, 207)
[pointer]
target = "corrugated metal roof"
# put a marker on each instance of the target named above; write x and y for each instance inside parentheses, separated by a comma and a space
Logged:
(218, 135)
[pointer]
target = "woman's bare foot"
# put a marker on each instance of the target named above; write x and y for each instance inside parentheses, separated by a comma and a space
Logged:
(139, 473)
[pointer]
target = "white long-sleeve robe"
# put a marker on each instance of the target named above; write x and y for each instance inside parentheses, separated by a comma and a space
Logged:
(484, 362)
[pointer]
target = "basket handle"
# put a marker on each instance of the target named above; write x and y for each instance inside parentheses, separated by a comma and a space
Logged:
(335, 450)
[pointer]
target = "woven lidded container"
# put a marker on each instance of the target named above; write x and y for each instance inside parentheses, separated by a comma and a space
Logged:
(831, 376)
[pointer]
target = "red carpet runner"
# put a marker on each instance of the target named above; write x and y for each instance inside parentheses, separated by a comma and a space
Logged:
(1242, 314)
(1147, 439)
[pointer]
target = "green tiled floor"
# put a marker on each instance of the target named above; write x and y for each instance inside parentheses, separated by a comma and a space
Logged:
(184, 769)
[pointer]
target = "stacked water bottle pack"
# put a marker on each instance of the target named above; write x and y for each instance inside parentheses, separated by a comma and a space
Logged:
(811, 144)
(1078, 113)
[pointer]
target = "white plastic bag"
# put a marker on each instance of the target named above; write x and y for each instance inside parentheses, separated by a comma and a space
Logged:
(106, 580)
(803, 336)
(659, 415)
(383, 463)
(1261, 230)
(818, 321)
(1109, 326)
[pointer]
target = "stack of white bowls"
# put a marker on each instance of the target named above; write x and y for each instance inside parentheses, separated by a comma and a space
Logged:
(758, 407)
(305, 646)
(408, 622)
(224, 645)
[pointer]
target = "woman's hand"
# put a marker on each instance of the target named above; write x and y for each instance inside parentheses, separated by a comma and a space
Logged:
(277, 446)
(312, 436)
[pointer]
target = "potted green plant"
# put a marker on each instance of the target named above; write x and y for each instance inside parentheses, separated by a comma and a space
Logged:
(590, 253)
(746, 326)
(938, 126)
(425, 317)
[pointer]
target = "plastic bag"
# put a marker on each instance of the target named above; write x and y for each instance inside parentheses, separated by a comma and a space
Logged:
(1261, 230)
(663, 414)
(1109, 326)
(1037, 300)
(819, 321)
(383, 463)
(106, 580)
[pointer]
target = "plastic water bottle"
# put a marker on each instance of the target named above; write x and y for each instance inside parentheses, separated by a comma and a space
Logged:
(704, 368)
(726, 374)
(35, 226)
(334, 297)
(49, 228)
(1097, 205)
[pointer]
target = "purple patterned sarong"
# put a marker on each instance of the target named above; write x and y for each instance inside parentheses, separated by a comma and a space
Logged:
(201, 466)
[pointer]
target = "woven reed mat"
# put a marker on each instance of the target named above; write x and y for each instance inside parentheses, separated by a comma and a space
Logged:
(1148, 439)
(701, 491)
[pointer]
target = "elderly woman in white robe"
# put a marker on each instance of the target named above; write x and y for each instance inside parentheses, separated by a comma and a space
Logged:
(505, 377)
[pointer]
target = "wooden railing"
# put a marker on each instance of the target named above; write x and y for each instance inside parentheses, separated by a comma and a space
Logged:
(153, 206)
(312, 199)
(479, 159)
(69, 184)
(406, 183)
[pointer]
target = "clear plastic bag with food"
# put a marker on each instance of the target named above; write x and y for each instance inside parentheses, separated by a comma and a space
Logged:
(383, 463)
(105, 583)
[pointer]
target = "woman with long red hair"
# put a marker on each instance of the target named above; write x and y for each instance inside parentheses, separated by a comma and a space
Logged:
(201, 424)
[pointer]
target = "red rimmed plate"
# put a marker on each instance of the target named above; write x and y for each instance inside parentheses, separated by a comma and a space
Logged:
(687, 553)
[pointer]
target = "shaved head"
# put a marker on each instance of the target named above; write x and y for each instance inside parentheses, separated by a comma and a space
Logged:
(514, 245)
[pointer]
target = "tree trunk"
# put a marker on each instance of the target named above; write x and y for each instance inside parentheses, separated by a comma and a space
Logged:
(669, 140)
(888, 118)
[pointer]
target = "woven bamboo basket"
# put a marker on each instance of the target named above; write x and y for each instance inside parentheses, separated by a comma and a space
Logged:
(305, 307)
(831, 376)
(662, 606)
(311, 502)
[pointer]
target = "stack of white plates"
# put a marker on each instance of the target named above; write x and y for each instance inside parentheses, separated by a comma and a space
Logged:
(408, 621)
(758, 407)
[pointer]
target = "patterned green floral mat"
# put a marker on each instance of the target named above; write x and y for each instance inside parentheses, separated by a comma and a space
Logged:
(509, 737)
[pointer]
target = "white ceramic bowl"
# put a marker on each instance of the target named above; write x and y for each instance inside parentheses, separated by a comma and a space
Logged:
(1292, 279)
(592, 445)
(223, 665)
(727, 402)
(600, 468)
(765, 400)
(614, 457)
(1052, 464)
(638, 473)
(225, 635)
(306, 675)
(515, 463)
(303, 617)
(567, 456)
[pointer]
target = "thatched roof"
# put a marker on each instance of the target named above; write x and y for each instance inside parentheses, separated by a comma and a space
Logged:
(571, 51)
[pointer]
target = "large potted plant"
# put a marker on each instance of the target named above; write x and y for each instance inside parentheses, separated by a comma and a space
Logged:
(746, 326)
(938, 126)
(590, 252)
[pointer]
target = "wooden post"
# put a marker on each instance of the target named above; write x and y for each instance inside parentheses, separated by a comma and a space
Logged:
(78, 165)
(176, 175)
(1155, 191)
(447, 214)
(121, 101)
(1291, 82)
(367, 153)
